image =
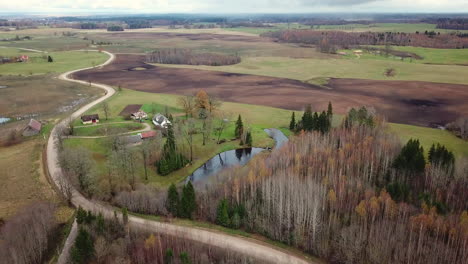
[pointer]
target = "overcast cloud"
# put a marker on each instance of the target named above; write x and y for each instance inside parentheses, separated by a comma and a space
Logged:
(232, 6)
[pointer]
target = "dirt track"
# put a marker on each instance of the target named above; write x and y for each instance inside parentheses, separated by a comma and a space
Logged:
(409, 102)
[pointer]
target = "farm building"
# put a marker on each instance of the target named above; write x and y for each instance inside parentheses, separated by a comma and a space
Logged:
(140, 115)
(132, 140)
(33, 128)
(147, 135)
(161, 121)
(23, 58)
(90, 119)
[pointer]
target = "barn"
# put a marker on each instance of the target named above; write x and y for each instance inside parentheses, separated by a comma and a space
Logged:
(33, 128)
(90, 119)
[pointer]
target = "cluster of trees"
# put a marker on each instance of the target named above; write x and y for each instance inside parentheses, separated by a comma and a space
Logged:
(115, 28)
(245, 135)
(336, 195)
(362, 116)
(171, 158)
(313, 121)
(186, 56)
(103, 241)
(181, 206)
(328, 41)
(459, 127)
(30, 236)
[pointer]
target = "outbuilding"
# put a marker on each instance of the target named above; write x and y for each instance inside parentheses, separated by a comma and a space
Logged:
(147, 135)
(33, 128)
(90, 119)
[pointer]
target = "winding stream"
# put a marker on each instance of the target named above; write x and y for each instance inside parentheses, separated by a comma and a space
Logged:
(233, 157)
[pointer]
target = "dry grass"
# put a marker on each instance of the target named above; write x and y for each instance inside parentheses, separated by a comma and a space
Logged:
(22, 177)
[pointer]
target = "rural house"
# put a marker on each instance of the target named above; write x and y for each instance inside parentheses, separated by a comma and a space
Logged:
(147, 135)
(33, 128)
(140, 115)
(161, 121)
(90, 119)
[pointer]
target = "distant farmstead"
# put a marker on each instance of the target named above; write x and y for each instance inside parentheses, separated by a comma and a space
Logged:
(33, 128)
(90, 119)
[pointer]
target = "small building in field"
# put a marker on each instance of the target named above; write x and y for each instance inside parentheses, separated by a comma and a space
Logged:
(23, 58)
(140, 115)
(90, 119)
(33, 128)
(161, 121)
(147, 135)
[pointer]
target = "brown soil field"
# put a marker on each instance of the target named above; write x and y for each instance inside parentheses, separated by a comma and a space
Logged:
(408, 102)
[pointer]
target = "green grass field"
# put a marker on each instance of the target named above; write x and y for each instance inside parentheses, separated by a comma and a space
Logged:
(306, 69)
(107, 129)
(62, 61)
(429, 56)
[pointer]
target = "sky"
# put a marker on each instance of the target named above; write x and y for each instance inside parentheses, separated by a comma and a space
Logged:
(232, 6)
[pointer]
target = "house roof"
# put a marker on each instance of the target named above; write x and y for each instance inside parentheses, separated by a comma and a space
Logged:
(35, 125)
(89, 117)
(160, 118)
(148, 134)
(139, 114)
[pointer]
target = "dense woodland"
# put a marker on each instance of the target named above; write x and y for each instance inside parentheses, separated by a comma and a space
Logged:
(339, 39)
(185, 56)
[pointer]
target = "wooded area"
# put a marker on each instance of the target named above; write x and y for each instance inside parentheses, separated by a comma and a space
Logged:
(186, 56)
(347, 40)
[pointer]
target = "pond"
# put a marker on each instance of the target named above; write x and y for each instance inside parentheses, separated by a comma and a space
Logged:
(4, 119)
(233, 158)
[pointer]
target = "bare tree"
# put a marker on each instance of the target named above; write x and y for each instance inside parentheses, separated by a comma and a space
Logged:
(188, 104)
(105, 109)
(187, 129)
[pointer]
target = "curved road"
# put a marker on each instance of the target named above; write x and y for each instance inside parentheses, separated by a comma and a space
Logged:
(245, 246)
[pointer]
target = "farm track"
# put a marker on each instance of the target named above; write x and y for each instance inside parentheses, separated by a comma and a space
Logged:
(246, 246)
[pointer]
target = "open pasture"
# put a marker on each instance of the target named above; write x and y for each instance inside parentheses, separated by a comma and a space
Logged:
(417, 103)
(41, 96)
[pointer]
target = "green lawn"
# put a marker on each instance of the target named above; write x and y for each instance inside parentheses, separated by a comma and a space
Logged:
(430, 56)
(63, 61)
(306, 69)
(106, 129)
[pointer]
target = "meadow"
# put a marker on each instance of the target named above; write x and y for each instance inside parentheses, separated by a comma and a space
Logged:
(62, 61)
(429, 55)
(336, 67)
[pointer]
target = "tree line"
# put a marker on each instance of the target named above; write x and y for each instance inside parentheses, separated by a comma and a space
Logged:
(186, 56)
(330, 41)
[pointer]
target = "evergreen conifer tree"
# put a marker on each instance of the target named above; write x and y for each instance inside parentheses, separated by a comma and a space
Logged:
(222, 216)
(292, 124)
(248, 139)
(411, 158)
(83, 248)
(172, 202)
(188, 201)
(239, 130)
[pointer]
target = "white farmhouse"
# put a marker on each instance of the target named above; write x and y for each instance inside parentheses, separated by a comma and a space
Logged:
(161, 121)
